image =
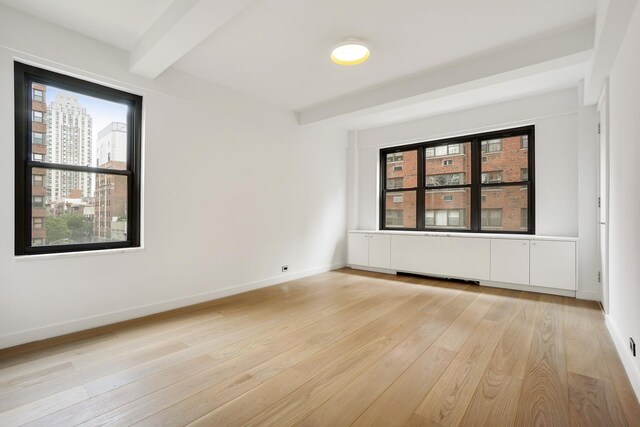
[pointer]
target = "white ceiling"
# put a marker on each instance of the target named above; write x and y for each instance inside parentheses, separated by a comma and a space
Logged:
(119, 23)
(278, 50)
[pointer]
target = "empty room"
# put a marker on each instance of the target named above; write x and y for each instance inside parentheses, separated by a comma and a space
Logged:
(319, 213)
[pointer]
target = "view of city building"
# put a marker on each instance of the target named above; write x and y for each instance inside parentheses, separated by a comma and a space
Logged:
(503, 207)
(71, 206)
(69, 141)
(39, 191)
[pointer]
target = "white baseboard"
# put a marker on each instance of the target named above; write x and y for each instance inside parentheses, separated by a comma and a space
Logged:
(90, 322)
(626, 357)
(588, 295)
(529, 288)
(372, 269)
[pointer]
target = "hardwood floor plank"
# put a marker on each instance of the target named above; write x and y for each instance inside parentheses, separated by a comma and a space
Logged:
(618, 375)
(593, 402)
(495, 400)
(544, 396)
(40, 408)
(340, 348)
(357, 350)
(153, 402)
(584, 354)
(215, 370)
(347, 404)
(447, 401)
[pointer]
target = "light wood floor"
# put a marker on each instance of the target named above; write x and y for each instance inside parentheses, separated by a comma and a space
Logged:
(340, 348)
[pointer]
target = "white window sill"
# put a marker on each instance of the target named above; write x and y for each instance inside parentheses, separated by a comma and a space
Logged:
(41, 257)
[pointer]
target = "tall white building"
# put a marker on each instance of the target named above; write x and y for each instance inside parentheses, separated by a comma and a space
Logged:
(112, 144)
(69, 141)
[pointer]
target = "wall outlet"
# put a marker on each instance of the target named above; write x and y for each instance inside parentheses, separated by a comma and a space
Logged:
(632, 346)
(285, 268)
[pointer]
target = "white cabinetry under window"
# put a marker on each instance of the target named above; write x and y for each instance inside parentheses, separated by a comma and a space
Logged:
(553, 264)
(520, 262)
(369, 250)
(442, 256)
(510, 261)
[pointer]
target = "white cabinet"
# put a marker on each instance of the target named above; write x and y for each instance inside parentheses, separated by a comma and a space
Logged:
(510, 261)
(380, 250)
(369, 250)
(461, 257)
(517, 260)
(553, 264)
(358, 249)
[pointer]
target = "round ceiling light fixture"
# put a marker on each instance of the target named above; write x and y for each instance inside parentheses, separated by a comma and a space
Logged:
(350, 52)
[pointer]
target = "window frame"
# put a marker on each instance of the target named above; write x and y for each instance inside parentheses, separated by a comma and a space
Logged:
(24, 77)
(476, 185)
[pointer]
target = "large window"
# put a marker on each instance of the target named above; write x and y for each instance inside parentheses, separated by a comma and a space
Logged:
(477, 183)
(77, 164)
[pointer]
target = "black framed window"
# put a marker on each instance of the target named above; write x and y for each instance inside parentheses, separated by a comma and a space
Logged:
(77, 166)
(475, 183)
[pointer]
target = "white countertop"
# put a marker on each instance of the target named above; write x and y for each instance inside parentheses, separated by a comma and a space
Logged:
(467, 235)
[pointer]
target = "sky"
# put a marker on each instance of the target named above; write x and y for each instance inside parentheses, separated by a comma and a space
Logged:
(102, 112)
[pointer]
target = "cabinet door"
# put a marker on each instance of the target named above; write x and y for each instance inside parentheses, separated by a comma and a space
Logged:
(443, 256)
(553, 264)
(358, 249)
(510, 261)
(380, 250)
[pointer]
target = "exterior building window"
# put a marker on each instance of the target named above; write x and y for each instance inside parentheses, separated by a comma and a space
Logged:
(395, 182)
(494, 176)
(444, 218)
(491, 146)
(395, 157)
(488, 186)
(38, 95)
(59, 188)
(491, 218)
(445, 179)
(443, 150)
(394, 218)
(397, 168)
(38, 138)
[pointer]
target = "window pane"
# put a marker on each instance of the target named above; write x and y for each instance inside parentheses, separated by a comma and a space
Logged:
(503, 207)
(504, 159)
(448, 165)
(400, 209)
(448, 209)
(75, 129)
(402, 169)
(65, 212)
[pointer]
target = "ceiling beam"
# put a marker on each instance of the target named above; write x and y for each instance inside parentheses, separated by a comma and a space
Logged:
(179, 29)
(612, 22)
(555, 51)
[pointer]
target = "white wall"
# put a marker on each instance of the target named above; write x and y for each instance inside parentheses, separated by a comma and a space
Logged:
(565, 133)
(624, 203)
(232, 191)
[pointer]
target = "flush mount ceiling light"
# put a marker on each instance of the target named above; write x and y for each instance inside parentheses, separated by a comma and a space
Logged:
(350, 52)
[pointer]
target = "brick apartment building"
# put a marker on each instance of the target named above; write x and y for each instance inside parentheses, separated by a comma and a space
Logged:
(39, 152)
(503, 207)
(110, 197)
